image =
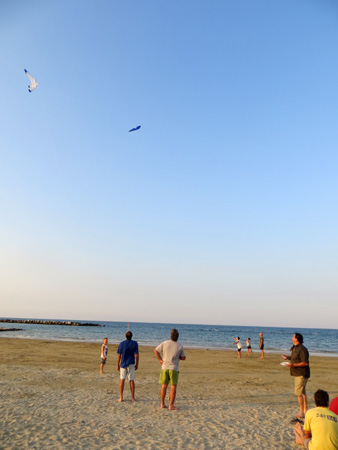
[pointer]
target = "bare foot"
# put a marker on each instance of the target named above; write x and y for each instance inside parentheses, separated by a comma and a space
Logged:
(300, 416)
(120, 400)
(133, 399)
(164, 406)
(173, 408)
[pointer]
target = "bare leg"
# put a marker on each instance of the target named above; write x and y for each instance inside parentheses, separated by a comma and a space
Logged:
(163, 393)
(304, 403)
(101, 369)
(121, 390)
(172, 398)
(262, 351)
(301, 407)
(239, 355)
(132, 388)
(299, 434)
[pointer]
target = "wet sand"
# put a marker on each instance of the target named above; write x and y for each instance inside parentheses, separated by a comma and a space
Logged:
(53, 397)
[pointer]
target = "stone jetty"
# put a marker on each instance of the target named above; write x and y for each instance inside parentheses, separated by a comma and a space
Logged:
(10, 329)
(51, 322)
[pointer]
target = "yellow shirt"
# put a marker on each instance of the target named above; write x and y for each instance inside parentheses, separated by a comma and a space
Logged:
(323, 425)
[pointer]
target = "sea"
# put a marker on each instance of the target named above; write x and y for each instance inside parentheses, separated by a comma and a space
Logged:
(319, 342)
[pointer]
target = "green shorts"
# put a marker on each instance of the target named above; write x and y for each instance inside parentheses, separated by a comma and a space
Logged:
(167, 375)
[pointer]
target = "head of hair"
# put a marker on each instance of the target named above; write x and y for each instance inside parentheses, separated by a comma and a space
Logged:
(129, 335)
(249, 339)
(238, 337)
(105, 338)
(321, 398)
(299, 337)
(174, 334)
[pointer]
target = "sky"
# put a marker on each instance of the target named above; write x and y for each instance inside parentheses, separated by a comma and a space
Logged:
(221, 209)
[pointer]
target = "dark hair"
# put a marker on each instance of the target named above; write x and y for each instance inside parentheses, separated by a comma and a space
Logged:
(174, 334)
(299, 337)
(321, 398)
(129, 335)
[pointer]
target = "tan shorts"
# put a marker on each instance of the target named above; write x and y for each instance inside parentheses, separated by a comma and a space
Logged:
(300, 383)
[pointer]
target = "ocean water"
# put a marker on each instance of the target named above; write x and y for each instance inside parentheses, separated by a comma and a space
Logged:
(323, 342)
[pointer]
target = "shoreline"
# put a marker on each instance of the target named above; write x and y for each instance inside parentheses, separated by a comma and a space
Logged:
(153, 345)
(54, 397)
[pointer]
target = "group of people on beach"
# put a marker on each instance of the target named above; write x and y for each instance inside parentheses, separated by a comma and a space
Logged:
(169, 353)
(248, 345)
(320, 430)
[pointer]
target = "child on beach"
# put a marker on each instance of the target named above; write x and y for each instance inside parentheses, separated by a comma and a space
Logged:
(248, 346)
(104, 353)
(239, 346)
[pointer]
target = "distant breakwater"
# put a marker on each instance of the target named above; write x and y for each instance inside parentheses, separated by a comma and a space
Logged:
(52, 322)
(10, 329)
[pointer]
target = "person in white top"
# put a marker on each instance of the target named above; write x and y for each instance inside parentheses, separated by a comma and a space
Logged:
(239, 345)
(104, 353)
(172, 352)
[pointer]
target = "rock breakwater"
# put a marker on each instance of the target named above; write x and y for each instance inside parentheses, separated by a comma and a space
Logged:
(51, 322)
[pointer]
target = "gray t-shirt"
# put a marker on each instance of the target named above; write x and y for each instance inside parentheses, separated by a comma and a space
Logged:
(170, 352)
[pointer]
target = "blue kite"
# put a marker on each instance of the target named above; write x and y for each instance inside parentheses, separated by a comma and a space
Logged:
(135, 129)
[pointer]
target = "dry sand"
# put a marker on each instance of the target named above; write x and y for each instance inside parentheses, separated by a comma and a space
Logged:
(53, 397)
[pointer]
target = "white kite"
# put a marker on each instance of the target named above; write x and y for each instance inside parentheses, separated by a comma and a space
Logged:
(33, 81)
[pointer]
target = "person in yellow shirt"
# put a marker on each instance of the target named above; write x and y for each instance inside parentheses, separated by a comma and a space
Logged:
(321, 426)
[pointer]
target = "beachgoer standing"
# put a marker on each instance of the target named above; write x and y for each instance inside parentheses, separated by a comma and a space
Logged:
(261, 344)
(239, 346)
(169, 353)
(127, 363)
(320, 427)
(248, 346)
(104, 353)
(300, 369)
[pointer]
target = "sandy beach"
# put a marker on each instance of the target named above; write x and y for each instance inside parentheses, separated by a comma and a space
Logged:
(53, 397)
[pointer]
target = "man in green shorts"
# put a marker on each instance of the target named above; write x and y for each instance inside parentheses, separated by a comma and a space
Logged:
(171, 352)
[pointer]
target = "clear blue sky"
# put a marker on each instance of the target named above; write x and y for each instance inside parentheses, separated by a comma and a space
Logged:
(221, 209)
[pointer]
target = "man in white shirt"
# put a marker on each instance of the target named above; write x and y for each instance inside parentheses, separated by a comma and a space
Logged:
(169, 354)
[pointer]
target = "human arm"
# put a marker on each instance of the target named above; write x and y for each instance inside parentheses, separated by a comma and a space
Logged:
(137, 358)
(158, 356)
(118, 361)
(299, 364)
(182, 356)
(286, 357)
(307, 426)
(299, 358)
(308, 434)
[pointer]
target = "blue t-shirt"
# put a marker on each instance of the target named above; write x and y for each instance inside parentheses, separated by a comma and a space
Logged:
(128, 350)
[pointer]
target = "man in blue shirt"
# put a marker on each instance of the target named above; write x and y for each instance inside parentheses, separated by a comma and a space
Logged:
(127, 363)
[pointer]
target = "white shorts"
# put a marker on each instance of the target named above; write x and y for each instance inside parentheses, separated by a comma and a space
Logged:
(127, 373)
